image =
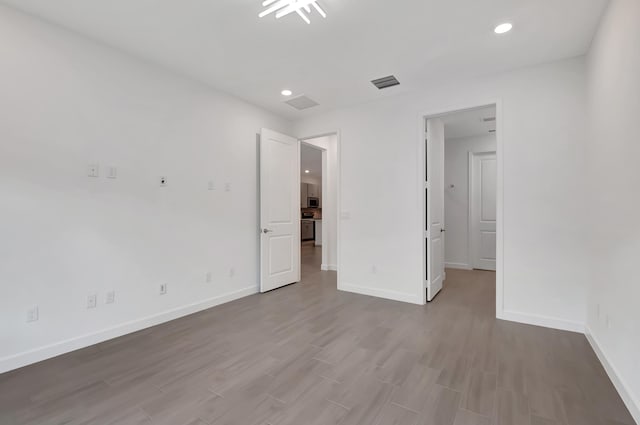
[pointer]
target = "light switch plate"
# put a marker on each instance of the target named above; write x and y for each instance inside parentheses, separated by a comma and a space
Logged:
(111, 297)
(33, 314)
(93, 170)
(92, 301)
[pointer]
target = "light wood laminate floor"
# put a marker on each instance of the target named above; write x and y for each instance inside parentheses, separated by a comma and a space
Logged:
(307, 354)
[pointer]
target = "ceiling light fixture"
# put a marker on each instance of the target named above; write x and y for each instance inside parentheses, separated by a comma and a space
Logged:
(307, 171)
(286, 92)
(285, 7)
(503, 28)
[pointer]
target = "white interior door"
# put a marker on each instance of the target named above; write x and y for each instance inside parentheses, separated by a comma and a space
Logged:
(279, 210)
(435, 207)
(483, 185)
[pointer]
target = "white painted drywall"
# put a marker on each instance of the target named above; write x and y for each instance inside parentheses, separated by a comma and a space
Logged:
(329, 199)
(65, 103)
(456, 199)
(613, 155)
(543, 129)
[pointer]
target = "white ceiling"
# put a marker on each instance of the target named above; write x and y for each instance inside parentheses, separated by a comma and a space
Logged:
(310, 159)
(469, 123)
(224, 44)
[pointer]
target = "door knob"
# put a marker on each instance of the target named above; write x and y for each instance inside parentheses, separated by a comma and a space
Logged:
(443, 230)
(267, 230)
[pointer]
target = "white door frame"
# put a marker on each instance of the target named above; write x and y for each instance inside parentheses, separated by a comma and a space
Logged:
(422, 119)
(338, 194)
(472, 238)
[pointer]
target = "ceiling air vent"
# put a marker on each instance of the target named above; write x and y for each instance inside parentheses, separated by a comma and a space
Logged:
(490, 119)
(383, 83)
(301, 102)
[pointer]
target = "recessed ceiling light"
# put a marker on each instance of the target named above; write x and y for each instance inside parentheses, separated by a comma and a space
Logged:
(503, 28)
(307, 171)
(286, 92)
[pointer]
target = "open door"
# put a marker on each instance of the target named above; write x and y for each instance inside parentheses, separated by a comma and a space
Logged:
(434, 187)
(279, 210)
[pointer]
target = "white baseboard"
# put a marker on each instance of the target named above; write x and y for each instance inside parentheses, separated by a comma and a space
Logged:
(459, 266)
(380, 293)
(52, 350)
(329, 267)
(630, 400)
(544, 321)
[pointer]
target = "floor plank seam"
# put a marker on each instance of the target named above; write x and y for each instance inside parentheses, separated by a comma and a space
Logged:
(405, 407)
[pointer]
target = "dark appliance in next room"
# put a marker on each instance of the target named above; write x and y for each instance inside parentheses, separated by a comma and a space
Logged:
(313, 202)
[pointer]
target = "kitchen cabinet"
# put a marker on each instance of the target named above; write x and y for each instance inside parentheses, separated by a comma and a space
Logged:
(309, 190)
(312, 191)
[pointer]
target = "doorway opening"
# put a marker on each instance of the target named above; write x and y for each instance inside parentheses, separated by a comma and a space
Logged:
(282, 203)
(462, 216)
(318, 204)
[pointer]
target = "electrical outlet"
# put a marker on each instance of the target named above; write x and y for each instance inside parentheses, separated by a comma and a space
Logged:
(112, 173)
(111, 297)
(92, 301)
(93, 170)
(163, 181)
(163, 289)
(209, 277)
(232, 272)
(227, 187)
(211, 185)
(608, 322)
(33, 314)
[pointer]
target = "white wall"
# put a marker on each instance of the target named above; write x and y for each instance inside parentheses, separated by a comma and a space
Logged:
(614, 200)
(543, 128)
(329, 200)
(456, 199)
(66, 102)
